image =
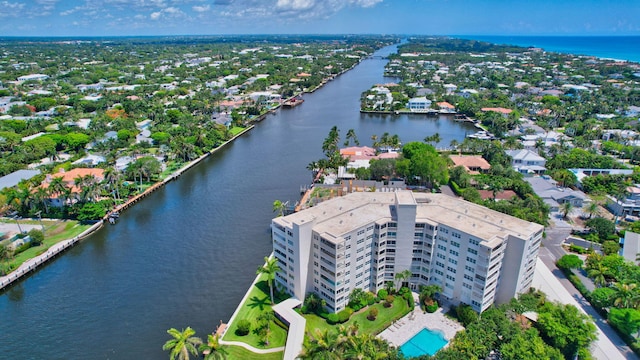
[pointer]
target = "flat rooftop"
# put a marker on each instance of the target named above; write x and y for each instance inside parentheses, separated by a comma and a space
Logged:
(336, 217)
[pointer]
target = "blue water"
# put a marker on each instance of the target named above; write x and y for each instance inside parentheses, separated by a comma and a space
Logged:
(612, 47)
(425, 342)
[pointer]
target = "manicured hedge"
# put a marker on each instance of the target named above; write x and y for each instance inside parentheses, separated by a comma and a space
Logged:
(340, 317)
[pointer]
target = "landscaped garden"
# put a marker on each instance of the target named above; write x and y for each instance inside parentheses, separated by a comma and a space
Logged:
(252, 319)
(371, 313)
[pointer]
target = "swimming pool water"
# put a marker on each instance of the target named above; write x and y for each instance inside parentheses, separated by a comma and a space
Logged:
(425, 342)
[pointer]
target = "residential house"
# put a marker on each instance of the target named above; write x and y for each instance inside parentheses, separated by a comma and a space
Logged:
(527, 162)
(629, 206)
(446, 108)
(419, 104)
(15, 177)
(583, 173)
(553, 195)
(504, 112)
(69, 179)
(33, 77)
(473, 164)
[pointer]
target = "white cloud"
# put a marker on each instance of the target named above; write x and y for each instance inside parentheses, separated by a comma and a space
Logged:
(47, 4)
(10, 9)
(200, 9)
(295, 4)
(291, 10)
(168, 13)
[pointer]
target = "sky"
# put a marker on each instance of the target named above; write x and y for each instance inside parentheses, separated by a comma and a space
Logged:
(212, 17)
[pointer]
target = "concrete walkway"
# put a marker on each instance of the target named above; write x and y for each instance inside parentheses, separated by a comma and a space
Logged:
(52, 251)
(251, 348)
(608, 346)
(297, 323)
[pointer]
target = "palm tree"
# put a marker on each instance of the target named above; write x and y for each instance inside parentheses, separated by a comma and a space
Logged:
(183, 343)
(599, 273)
(113, 177)
(351, 135)
(592, 208)
(435, 139)
(313, 167)
(270, 268)
(41, 194)
(626, 295)
(454, 144)
(212, 350)
(374, 141)
(402, 276)
(495, 187)
(323, 345)
(58, 187)
(566, 208)
(279, 207)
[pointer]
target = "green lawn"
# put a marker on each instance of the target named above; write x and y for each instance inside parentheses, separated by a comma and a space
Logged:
(236, 130)
(257, 302)
(386, 316)
(55, 232)
(238, 353)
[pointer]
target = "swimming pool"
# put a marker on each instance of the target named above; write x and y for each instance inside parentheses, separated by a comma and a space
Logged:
(425, 342)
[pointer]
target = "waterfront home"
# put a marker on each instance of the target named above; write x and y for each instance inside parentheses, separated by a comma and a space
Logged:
(504, 112)
(473, 164)
(419, 104)
(527, 162)
(69, 180)
(445, 107)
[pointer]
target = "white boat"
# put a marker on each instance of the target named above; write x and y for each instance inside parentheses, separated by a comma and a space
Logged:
(482, 135)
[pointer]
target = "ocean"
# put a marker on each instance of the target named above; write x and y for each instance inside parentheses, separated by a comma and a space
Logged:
(610, 47)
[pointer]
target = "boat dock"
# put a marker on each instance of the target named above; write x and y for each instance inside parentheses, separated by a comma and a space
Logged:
(293, 102)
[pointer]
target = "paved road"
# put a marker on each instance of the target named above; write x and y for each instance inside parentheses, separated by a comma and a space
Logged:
(552, 282)
(555, 235)
(609, 345)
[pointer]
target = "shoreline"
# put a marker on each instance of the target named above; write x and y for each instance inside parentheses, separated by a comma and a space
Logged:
(36, 262)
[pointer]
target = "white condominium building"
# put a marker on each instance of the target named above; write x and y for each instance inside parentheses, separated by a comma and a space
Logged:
(362, 240)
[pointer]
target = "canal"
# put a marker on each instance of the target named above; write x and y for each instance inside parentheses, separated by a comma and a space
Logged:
(186, 254)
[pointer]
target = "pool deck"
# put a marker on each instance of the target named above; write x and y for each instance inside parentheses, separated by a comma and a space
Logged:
(407, 327)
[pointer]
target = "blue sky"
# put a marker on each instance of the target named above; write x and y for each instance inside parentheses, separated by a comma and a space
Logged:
(437, 17)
